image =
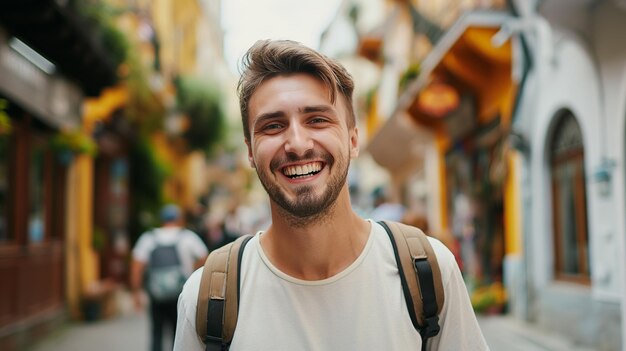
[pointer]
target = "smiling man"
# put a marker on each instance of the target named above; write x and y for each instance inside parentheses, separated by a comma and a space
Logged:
(320, 277)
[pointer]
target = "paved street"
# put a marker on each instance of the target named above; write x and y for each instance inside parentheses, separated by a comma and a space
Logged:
(129, 332)
(504, 333)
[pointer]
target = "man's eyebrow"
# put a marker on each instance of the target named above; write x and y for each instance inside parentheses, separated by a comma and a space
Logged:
(267, 116)
(316, 108)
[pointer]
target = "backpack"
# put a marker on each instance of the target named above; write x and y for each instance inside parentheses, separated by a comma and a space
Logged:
(218, 297)
(164, 277)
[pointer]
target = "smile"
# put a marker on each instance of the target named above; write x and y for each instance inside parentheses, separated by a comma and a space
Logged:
(301, 171)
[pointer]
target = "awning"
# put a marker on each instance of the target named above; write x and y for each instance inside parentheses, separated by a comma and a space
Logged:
(389, 145)
(60, 35)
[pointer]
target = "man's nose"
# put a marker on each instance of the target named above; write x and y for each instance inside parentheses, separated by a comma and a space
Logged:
(298, 141)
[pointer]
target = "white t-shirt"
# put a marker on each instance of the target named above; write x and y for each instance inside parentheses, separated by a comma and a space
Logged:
(190, 247)
(361, 308)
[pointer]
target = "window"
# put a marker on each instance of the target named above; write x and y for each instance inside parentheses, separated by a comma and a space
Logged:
(58, 176)
(571, 240)
(37, 186)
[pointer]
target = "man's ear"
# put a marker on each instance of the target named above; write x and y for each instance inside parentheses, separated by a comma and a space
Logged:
(250, 156)
(354, 142)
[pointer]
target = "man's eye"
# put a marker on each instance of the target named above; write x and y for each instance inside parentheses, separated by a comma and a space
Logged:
(318, 120)
(272, 126)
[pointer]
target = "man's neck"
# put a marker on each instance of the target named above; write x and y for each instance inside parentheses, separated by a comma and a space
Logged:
(319, 249)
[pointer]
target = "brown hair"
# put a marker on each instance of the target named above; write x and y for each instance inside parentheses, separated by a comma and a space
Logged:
(269, 58)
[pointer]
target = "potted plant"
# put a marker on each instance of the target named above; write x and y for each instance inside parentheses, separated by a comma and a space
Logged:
(489, 299)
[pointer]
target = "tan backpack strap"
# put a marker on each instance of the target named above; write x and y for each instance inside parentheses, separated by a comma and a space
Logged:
(219, 294)
(412, 246)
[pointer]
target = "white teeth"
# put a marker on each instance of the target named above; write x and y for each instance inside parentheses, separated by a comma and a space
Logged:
(301, 170)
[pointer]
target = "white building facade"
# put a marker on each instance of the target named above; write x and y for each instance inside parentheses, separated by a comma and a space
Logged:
(571, 116)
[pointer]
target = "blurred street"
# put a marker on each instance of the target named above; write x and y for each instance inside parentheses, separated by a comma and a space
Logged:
(496, 126)
(129, 331)
(504, 333)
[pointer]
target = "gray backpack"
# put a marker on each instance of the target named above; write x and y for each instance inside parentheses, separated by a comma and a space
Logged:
(164, 277)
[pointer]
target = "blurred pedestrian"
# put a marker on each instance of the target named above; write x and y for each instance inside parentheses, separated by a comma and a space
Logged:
(196, 220)
(162, 260)
(320, 277)
(384, 208)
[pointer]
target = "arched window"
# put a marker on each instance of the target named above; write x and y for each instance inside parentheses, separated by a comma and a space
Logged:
(571, 239)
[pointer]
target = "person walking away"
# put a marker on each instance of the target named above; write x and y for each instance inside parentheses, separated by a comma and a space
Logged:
(320, 277)
(162, 259)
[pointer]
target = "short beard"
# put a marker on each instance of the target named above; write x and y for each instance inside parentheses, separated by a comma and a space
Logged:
(296, 221)
(307, 208)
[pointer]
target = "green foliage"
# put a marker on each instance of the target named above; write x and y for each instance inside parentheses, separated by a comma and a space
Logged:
(409, 75)
(147, 176)
(99, 239)
(75, 142)
(5, 121)
(101, 16)
(489, 298)
(202, 104)
(143, 108)
(6, 129)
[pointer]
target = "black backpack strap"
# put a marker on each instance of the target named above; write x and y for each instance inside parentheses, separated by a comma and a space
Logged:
(216, 312)
(423, 291)
(429, 301)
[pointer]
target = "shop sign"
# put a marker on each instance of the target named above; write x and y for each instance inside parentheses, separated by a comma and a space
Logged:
(437, 100)
(49, 97)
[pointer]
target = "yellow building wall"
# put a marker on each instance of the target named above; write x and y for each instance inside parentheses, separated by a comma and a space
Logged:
(442, 144)
(513, 206)
(82, 262)
(176, 23)
(82, 266)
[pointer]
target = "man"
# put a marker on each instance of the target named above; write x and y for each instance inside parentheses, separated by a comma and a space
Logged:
(320, 277)
(175, 250)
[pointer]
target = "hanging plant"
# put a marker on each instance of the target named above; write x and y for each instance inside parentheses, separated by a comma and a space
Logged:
(74, 142)
(5, 120)
(203, 106)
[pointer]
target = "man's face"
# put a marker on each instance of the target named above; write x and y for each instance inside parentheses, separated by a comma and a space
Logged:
(300, 143)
